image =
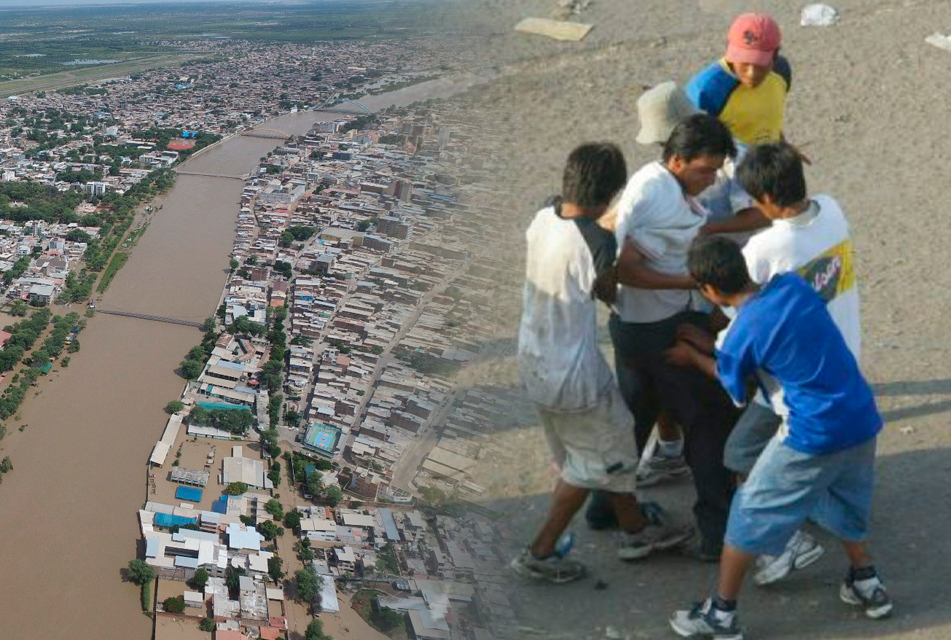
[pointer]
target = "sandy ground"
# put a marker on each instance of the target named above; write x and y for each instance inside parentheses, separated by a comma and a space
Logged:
(868, 105)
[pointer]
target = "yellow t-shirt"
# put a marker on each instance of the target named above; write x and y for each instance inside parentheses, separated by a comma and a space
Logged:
(755, 116)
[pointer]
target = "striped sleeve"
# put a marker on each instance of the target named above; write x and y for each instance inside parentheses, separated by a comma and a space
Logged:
(710, 89)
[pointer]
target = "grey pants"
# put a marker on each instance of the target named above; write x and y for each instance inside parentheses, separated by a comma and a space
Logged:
(753, 431)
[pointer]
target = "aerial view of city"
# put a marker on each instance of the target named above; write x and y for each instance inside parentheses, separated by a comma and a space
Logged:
(473, 319)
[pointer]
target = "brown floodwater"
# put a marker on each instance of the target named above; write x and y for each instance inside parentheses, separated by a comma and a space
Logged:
(68, 522)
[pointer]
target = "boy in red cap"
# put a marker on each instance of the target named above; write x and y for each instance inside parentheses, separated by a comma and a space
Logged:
(747, 88)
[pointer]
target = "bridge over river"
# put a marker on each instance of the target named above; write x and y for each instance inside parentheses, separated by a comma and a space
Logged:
(145, 316)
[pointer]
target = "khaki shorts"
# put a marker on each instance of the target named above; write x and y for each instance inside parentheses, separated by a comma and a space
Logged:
(594, 448)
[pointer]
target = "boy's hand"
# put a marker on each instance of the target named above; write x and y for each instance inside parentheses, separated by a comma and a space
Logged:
(608, 221)
(695, 337)
(680, 355)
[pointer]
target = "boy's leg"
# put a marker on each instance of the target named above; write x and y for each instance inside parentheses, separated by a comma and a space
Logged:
(845, 511)
(783, 489)
(734, 565)
(706, 414)
(665, 460)
(539, 561)
(857, 552)
(565, 503)
(754, 429)
(641, 403)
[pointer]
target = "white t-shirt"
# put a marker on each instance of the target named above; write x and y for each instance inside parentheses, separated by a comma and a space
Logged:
(560, 364)
(815, 244)
(662, 221)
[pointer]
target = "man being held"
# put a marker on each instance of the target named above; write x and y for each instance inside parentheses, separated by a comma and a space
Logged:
(657, 218)
(589, 430)
(821, 464)
(729, 210)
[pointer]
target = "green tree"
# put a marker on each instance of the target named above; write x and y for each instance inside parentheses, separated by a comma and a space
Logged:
(234, 264)
(333, 495)
(174, 605)
(292, 519)
(388, 619)
(236, 489)
(6, 465)
(306, 585)
(275, 508)
(19, 308)
(197, 353)
(287, 239)
(190, 369)
(233, 578)
(140, 572)
(274, 568)
(314, 484)
(201, 578)
(269, 530)
(207, 625)
(175, 406)
(315, 631)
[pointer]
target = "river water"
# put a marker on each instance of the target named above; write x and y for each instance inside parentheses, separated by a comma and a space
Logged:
(68, 523)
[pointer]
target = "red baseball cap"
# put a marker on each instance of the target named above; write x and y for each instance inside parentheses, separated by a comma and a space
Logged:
(754, 38)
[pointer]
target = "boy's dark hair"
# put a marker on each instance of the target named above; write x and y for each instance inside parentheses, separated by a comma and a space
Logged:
(718, 262)
(773, 170)
(595, 172)
(699, 135)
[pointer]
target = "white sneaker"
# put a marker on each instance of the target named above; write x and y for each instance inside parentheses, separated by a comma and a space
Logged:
(706, 621)
(801, 551)
(659, 468)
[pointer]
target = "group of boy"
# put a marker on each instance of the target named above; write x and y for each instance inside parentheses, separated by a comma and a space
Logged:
(742, 361)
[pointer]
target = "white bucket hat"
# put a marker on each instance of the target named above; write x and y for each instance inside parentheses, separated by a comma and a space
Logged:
(660, 110)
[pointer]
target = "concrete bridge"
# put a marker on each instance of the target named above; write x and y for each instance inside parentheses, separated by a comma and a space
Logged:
(144, 316)
(242, 178)
(261, 132)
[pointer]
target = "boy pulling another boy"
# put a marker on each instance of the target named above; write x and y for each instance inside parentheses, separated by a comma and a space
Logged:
(821, 464)
(589, 429)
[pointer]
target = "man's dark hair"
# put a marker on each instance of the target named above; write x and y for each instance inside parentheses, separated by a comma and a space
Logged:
(594, 174)
(699, 135)
(718, 262)
(773, 170)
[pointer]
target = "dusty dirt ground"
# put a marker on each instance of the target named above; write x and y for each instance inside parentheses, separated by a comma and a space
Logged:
(869, 105)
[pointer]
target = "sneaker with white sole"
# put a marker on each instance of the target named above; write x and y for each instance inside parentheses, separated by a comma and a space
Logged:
(653, 537)
(553, 569)
(800, 552)
(659, 468)
(706, 621)
(869, 594)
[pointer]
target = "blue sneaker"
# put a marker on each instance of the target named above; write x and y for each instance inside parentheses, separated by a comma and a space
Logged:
(706, 621)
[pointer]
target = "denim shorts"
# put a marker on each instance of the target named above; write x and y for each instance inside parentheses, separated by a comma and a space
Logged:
(788, 487)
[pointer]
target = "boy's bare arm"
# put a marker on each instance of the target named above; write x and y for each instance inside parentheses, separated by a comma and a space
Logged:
(745, 220)
(632, 272)
(684, 354)
(701, 340)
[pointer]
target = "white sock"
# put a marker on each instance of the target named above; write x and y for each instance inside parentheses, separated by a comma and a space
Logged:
(671, 448)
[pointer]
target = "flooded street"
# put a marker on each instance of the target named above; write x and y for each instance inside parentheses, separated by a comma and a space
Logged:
(68, 508)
